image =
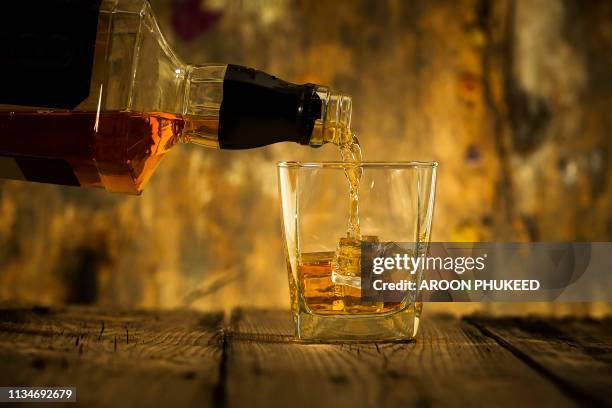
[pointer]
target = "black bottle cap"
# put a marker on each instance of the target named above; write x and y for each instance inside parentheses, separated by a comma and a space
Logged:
(259, 109)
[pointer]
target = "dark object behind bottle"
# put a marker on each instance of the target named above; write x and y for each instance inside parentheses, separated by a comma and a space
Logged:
(48, 49)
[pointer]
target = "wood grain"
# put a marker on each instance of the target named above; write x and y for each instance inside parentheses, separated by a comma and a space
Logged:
(183, 358)
(452, 363)
(574, 353)
(135, 358)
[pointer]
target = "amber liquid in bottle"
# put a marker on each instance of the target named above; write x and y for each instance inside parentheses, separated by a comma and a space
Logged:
(115, 150)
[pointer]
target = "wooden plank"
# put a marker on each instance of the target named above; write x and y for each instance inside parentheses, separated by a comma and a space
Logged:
(124, 358)
(576, 354)
(594, 336)
(451, 363)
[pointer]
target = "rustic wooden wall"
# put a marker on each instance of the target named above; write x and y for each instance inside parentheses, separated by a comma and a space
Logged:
(513, 98)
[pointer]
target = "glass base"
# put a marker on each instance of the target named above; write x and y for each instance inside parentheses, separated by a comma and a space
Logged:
(395, 326)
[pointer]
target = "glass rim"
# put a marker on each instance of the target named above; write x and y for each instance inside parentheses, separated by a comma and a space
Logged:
(366, 164)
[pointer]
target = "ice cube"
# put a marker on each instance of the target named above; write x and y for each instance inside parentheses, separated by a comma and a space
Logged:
(346, 265)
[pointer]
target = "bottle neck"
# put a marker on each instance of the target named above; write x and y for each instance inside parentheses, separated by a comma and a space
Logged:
(334, 125)
(203, 94)
(234, 107)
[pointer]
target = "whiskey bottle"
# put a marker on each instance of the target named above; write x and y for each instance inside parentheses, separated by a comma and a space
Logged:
(92, 95)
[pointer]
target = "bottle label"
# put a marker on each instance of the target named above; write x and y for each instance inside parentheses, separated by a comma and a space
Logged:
(42, 170)
(259, 109)
(47, 51)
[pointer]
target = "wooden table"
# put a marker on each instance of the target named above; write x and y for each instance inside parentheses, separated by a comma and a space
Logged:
(178, 358)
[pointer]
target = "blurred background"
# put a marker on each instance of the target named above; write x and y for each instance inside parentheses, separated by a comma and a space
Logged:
(513, 98)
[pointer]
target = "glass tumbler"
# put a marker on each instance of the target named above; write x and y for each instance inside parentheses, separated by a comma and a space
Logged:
(395, 204)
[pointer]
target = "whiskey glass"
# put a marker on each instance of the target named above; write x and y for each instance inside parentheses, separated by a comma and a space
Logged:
(395, 204)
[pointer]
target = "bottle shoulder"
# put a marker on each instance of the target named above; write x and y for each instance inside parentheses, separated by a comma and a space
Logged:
(123, 6)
